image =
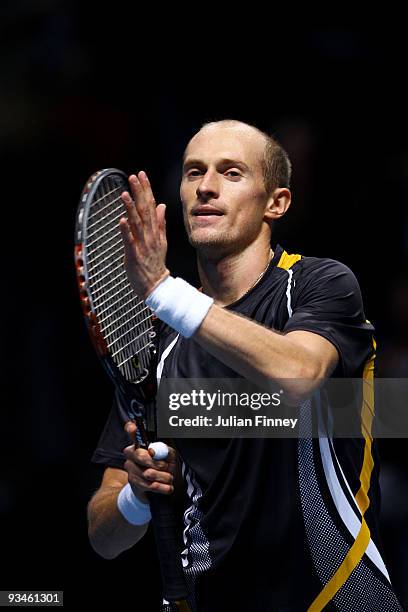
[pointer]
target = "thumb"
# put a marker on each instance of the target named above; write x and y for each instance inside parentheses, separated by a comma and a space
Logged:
(131, 429)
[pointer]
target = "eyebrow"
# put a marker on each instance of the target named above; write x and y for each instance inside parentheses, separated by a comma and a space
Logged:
(190, 163)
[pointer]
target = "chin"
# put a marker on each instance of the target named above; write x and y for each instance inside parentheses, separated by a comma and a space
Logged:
(213, 245)
(208, 237)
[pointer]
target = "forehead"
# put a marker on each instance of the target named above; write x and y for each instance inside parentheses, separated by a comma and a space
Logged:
(238, 143)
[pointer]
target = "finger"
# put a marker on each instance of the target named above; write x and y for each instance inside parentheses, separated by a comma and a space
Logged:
(161, 222)
(148, 475)
(141, 197)
(157, 483)
(142, 458)
(126, 199)
(127, 235)
(130, 453)
(135, 471)
(150, 202)
(158, 487)
(155, 476)
(145, 486)
(129, 244)
(135, 188)
(134, 221)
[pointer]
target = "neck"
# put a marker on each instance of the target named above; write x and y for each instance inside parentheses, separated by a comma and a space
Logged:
(230, 277)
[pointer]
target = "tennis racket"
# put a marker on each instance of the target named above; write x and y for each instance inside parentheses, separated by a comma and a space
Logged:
(123, 331)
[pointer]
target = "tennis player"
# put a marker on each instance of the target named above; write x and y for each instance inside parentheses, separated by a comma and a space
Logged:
(269, 524)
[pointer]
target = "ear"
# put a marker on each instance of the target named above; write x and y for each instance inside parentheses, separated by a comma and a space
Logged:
(277, 204)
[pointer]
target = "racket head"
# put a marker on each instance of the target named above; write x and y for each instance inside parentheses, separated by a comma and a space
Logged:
(120, 325)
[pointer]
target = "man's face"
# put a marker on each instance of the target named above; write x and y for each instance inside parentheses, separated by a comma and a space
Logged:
(222, 189)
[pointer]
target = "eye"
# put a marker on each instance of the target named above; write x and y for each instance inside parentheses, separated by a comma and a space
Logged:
(233, 173)
(193, 172)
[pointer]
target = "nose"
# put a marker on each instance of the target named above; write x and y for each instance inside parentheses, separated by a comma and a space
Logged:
(208, 186)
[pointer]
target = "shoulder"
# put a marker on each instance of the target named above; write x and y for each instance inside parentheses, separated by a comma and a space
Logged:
(322, 286)
(324, 297)
(309, 267)
(322, 274)
(305, 265)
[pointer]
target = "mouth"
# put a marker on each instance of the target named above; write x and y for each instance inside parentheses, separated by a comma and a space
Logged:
(207, 211)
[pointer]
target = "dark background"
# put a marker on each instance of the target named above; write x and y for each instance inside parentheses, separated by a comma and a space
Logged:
(83, 90)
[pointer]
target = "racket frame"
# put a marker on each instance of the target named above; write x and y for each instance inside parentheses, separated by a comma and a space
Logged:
(137, 396)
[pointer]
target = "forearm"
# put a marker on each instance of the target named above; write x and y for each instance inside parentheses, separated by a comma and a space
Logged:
(297, 361)
(109, 532)
(258, 353)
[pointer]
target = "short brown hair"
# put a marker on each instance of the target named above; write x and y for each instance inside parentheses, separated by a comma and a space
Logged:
(276, 165)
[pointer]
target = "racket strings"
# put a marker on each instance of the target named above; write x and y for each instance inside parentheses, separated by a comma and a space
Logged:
(110, 270)
(96, 241)
(115, 278)
(125, 323)
(143, 333)
(100, 253)
(102, 227)
(103, 197)
(123, 278)
(106, 327)
(112, 303)
(101, 218)
(104, 268)
(97, 261)
(128, 327)
(107, 198)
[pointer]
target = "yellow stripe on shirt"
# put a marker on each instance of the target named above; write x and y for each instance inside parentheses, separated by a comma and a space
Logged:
(286, 261)
(357, 550)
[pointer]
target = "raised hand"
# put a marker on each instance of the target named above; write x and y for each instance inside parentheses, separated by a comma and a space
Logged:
(144, 236)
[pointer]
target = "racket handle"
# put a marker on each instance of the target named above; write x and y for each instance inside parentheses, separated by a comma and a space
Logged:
(165, 530)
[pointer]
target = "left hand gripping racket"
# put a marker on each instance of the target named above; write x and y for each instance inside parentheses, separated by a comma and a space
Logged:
(123, 332)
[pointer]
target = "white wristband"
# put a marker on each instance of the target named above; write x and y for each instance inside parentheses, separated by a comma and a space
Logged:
(134, 511)
(179, 305)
